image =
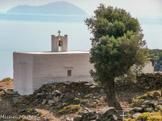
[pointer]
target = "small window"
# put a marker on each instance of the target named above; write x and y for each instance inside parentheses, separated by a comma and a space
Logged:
(69, 72)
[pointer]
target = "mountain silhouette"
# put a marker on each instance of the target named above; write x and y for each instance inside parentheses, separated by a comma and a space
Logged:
(56, 8)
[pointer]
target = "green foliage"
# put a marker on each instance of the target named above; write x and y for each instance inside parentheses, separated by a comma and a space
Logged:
(128, 119)
(113, 22)
(64, 104)
(154, 116)
(6, 79)
(147, 96)
(78, 100)
(117, 43)
(137, 102)
(30, 111)
(88, 96)
(70, 109)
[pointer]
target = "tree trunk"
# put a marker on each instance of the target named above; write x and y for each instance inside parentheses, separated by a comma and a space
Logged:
(111, 95)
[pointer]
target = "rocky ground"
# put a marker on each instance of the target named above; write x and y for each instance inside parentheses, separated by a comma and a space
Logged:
(76, 101)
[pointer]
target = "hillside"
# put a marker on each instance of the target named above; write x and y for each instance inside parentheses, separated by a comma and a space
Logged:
(77, 101)
(57, 8)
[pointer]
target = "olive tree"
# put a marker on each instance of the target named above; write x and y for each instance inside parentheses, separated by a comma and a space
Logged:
(117, 45)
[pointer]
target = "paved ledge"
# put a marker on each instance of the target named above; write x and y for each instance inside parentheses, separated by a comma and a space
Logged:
(49, 52)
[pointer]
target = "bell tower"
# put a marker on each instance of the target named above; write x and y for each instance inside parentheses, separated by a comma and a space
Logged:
(59, 43)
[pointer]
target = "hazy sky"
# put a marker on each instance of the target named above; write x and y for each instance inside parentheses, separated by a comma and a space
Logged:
(137, 8)
(29, 34)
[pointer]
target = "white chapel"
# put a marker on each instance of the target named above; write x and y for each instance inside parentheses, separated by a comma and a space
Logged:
(33, 69)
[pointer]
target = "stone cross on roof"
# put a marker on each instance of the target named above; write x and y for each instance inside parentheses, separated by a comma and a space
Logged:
(59, 32)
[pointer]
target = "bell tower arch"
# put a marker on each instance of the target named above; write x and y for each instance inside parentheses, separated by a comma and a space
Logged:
(59, 43)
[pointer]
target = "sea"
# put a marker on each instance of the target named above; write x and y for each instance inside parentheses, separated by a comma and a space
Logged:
(25, 35)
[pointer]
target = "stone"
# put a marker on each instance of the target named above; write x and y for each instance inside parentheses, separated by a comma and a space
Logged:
(160, 102)
(102, 91)
(107, 111)
(15, 99)
(148, 102)
(92, 87)
(56, 99)
(51, 102)
(68, 97)
(56, 93)
(88, 115)
(39, 94)
(10, 92)
(78, 118)
(144, 106)
(114, 118)
(156, 95)
(136, 109)
(150, 109)
(21, 111)
(49, 96)
(44, 101)
(69, 119)
(135, 115)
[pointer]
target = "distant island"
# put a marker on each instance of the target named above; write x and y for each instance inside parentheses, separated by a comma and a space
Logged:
(60, 11)
(60, 7)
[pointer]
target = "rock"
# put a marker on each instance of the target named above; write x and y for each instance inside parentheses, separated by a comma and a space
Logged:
(160, 102)
(51, 102)
(10, 92)
(143, 82)
(144, 106)
(136, 109)
(148, 102)
(56, 93)
(44, 101)
(88, 84)
(156, 95)
(87, 115)
(102, 91)
(39, 94)
(15, 99)
(56, 99)
(49, 96)
(69, 119)
(68, 97)
(135, 115)
(148, 109)
(113, 118)
(59, 105)
(92, 87)
(21, 111)
(147, 87)
(78, 118)
(107, 111)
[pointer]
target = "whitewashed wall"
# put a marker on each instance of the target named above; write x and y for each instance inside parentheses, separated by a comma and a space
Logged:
(149, 68)
(53, 68)
(23, 76)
